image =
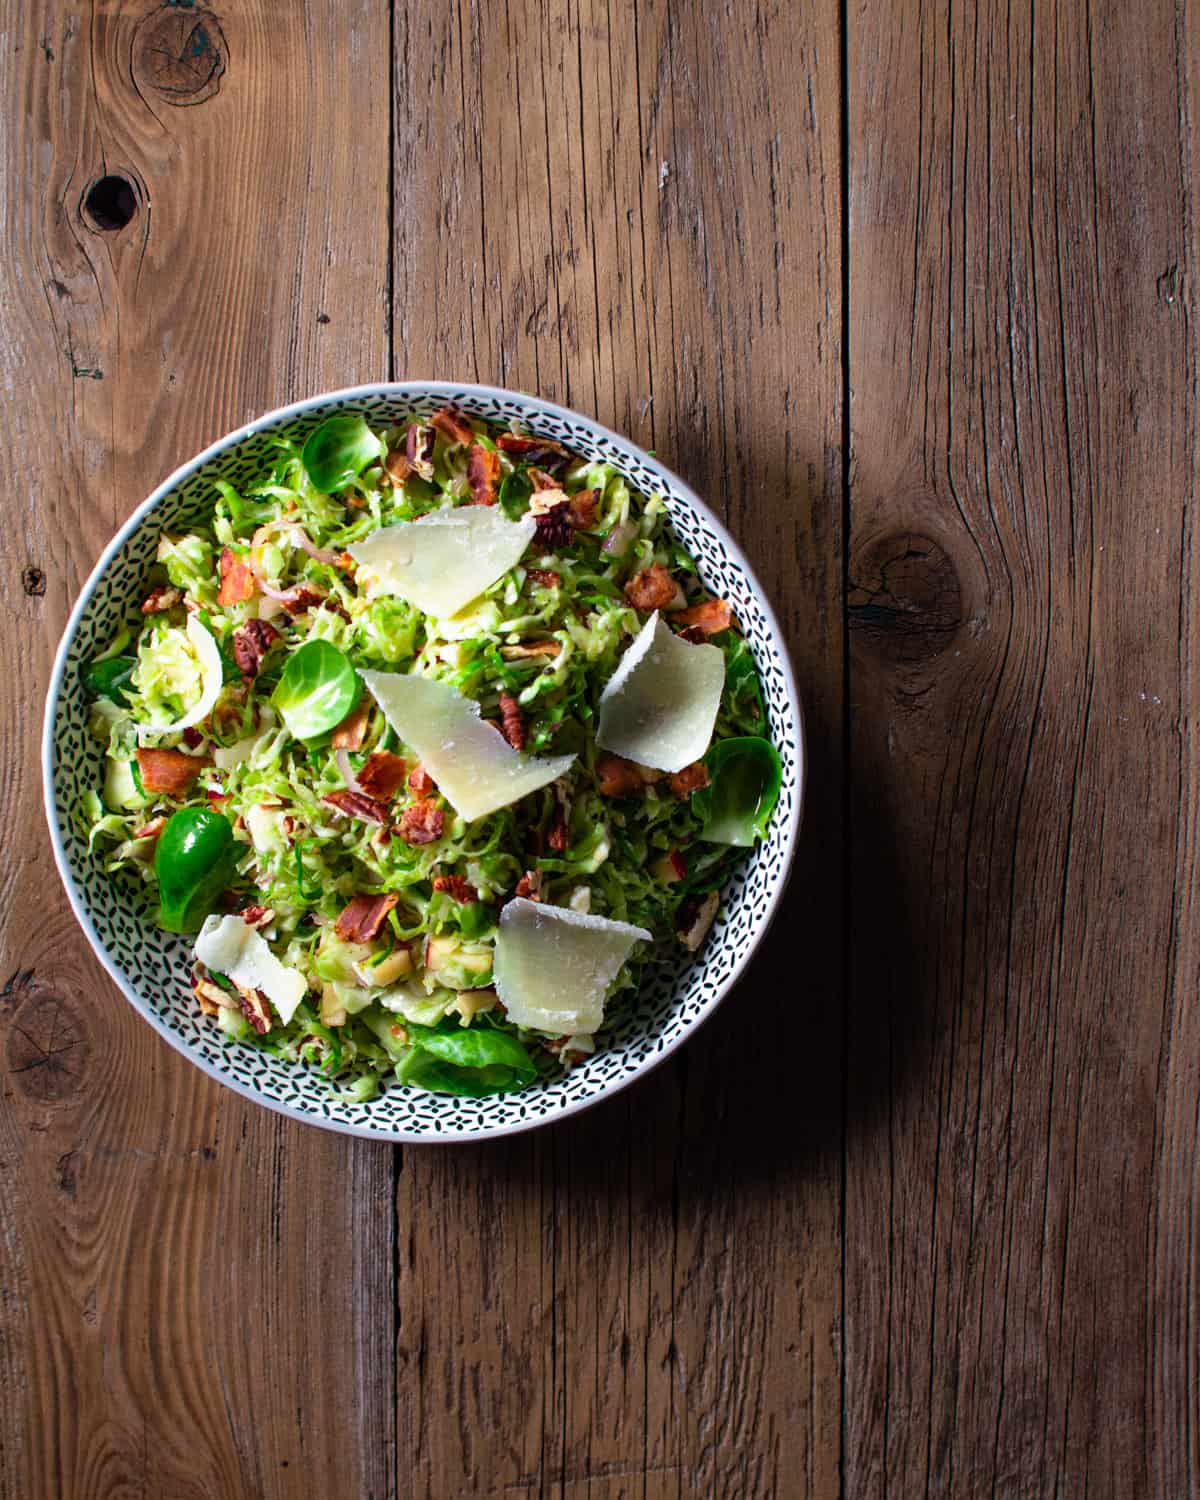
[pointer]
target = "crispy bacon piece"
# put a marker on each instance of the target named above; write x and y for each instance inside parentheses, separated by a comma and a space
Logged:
(483, 474)
(150, 830)
(711, 616)
(530, 885)
(534, 450)
(554, 526)
(169, 771)
(512, 723)
(618, 777)
(545, 576)
(422, 823)
(160, 599)
(362, 919)
(690, 779)
(237, 581)
(652, 588)
(251, 642)
(356, 805)
(254, 1008)
(528, 649)
(583, 508)
(351, 732)
(421, 782)
(302, 598)
(397, 466)
(453, 426)
(418, 449)
(257, 916)
(383, 775)
(457, 887)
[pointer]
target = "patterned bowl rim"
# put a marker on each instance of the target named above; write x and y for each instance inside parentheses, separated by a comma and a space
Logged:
(399, 390)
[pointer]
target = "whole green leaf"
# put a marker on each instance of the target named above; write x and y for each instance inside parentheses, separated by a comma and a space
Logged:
(318, 688)
(744, 780)
(194, 862)
(466, 1060)
(338, 451)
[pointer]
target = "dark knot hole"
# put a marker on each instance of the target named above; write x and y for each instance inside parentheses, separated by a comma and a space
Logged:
(110, 203)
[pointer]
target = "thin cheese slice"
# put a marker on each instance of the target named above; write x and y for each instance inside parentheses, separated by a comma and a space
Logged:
(230, 946)
(554, 967)
(445, 559)
(208, 655)
(660, 705)
(475, 767)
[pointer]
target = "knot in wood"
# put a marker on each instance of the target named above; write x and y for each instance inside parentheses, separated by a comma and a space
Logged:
(178, 55)
(47, 1048)
(905, 601)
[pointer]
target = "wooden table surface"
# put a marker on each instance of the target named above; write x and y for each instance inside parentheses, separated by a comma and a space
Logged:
(907, 289)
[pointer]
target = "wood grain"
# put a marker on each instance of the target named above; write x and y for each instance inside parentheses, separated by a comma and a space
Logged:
(645, 1301)
(196, 1292)
(1022, 1084)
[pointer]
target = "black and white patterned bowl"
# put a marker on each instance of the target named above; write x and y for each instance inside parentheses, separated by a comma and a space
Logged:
(152, 967)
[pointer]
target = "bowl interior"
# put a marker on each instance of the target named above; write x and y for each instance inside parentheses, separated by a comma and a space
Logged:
(152, 967)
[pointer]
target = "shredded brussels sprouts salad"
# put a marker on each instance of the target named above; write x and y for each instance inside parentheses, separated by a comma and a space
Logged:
(432, 742)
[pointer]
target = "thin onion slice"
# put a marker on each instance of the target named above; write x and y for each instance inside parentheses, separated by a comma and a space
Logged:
(208, 653)
(343, 764)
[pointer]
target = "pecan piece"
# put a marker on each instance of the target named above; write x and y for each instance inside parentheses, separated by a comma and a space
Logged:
(652, 588)
(690, 779)
(356, 805)
(361, 920)
(251, 642)
(547, 577)
(212, 997)
(584, 508)
(534, 450)
(302, 598)
(237, 581)
(383, 775)
(169, 771)
(161, 599)
(421, 782)
(453, 426)
(530, 885)
(512, 723)
(422, 823)
(457, 887)
(398, 466)
(483, 474)
(710, 617)
(418, 449)
(554, 526)
(528, 649)
(254, 1008)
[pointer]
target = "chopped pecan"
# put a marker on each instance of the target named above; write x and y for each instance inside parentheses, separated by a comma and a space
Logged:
(150, 830)
(534, 450)
(547, 577)
(302, 598)
(356, 805)
(257, 916)
(362, 919)
(692, 634)
(213, 999)
(351, 732)
(383, 775)
(618, 777)
(652, 588)
(421, 782)
(457, 887)
(453, 426)
(160, 599)
(398, 466)
(530, 885)
(483, 474)
(712, 616)
(554, 527)
(512, 724)
(237, 581)
(695, 918)
(690, 779)
(543, 483)
(422, 823)
(418, 449)
(169, 771)
(584, 507)
(251, 642)
(529, 649)
(254, 1008)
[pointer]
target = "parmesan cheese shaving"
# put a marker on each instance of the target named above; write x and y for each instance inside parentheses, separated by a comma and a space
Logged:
(230, 946)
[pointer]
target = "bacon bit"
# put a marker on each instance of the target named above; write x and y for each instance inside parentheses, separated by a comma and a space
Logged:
(483, 473)
(361, 921)
(418, 449)
(237, 581)
(355, 805)
(212, 997)
(457, 887)
(545, 576)
(678, 863)
(217, 800)
(398, 467)
(169, 771)
(421, 782)
(161, 599)
(345, 563)
(383, 775)
(422, 823)
(530, 649)
(554, 527)
(150, 830)
(453, 426)
(192, 737)
(302, 598)
(512, 724)
(351, 732)
(695, 918)
(257, 916)
(692, 634)
(254, 1008)
(690, 779)
(530, 885)
(535, 449)
(710, 617)
(556, 839)
(652, 588)
(251, 642)
(584, 507)
(618, 777)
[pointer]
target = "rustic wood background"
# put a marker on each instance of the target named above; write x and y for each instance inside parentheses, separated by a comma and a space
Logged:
(907, 288)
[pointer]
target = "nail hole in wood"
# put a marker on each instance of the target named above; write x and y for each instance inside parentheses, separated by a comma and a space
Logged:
(110, 203)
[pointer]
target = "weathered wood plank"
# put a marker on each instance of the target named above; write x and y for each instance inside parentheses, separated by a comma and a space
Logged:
(1020, 1274)
(197, 1295)
(637, 212)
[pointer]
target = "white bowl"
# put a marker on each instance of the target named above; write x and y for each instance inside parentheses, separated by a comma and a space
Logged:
(152, 968)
